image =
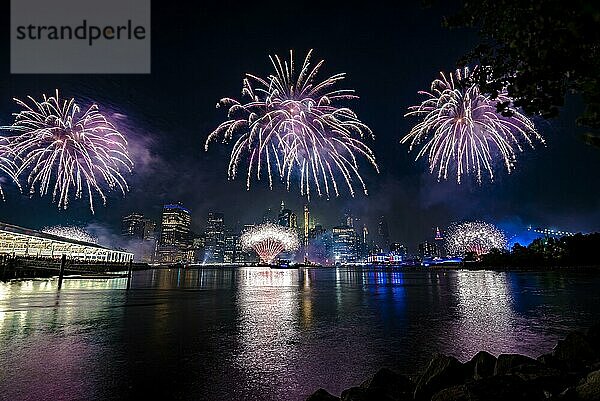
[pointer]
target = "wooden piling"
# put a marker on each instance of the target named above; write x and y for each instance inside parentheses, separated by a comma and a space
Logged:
(63, 262)
(129, 274)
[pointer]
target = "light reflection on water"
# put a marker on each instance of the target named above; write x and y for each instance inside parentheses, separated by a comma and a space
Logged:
(255, 334)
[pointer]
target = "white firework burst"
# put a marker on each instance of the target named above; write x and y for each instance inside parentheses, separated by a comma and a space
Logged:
(461, 129)
(291, 123)
(67, 151)
(269, 240)
(473, 236)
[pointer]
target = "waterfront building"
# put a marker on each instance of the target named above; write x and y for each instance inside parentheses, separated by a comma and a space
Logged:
(398, 249)
(18, 241)
(426, 250)
(198, 244)
(174, 242)
(232, 243)
(140, 234)
(215, 238)
(438, 240)
(344, 244)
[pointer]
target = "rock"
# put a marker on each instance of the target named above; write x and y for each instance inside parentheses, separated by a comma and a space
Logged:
(364, 394)
(481, 365)
(506, 362)
(391, 384)
(549, 360)
(589, 388)
(442, 372)
(502, 388)
(454, 393)
(574, 351)
(322, 395)
(544, 378)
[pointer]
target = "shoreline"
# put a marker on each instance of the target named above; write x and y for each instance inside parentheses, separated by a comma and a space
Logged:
(571, 372)
(48, 273)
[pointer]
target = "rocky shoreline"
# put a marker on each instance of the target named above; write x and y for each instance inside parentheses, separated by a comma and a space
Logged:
(571, 372)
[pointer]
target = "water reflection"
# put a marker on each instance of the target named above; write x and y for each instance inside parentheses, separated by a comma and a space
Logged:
(485, 311)
(266, 334)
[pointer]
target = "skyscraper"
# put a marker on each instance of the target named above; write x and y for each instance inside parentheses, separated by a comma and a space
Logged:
(140, 235)
(344, 244)
(232, 240)
(426, 250)
(286, 217)
(439, 244)
(306, 225)
(215, 238)
(348, 219)
(132, 226)
(174, 242)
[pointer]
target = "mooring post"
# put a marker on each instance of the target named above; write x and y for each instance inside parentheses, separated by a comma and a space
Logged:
(129, 274)
(63, 262)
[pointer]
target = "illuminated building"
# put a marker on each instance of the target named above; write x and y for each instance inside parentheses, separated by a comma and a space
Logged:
(132, 226)
(215, 238)
(344, 244)
(174, 244)
(287, 218)
(140, 233)
(306, 225)
(24, 242)
(398, 249)
(348, 219)
(426, 250)
(438, 240)
(232, 243)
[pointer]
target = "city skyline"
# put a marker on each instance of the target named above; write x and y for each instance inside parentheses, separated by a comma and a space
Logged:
(349, 240)
(553, 186)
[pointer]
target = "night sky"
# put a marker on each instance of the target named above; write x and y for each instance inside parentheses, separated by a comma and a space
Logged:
(201, 54)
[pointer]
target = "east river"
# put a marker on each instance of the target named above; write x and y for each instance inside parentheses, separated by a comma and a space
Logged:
(260, 334)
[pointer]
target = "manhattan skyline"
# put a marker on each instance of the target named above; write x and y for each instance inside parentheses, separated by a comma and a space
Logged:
(167, 116)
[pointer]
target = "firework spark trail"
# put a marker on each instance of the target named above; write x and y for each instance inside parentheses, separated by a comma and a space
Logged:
(7, 164)
(71, 232)
(290, 123)
(461, 129)
(476, 236)
(63, 149)
(269, 240)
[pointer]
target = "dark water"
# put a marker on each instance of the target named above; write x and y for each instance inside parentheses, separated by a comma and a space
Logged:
(255, 334)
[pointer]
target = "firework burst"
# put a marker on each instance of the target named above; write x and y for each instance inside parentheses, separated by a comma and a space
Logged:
(290, 122)
(8, 166)
(71, 232)
(461, 129)
(269, 240)
(475, 236)
(67, 151)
